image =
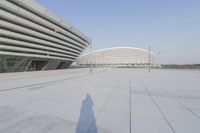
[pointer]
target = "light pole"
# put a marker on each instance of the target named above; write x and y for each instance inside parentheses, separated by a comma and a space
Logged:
(158, 58)
(149, 58)
(91, 56)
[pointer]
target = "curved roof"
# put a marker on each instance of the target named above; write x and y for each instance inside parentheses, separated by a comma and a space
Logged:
(117, 55)
(117, 48)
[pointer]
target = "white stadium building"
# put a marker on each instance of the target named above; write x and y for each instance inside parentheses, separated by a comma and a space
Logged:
(32, 38)
(117, 56)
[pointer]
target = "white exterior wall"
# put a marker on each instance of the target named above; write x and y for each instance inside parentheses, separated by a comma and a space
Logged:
(118, 55)
(28, 29)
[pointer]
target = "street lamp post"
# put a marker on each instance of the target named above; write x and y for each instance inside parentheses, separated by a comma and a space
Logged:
(149, 59)
(91, 56)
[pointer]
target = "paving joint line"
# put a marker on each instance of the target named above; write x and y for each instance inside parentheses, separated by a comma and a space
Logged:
(157, 106)
(49, 82)
(180, 90)
(106, 102)
(179, 102)
(130, 103)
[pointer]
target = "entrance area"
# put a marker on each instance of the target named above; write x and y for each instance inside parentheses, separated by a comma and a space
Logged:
(37, 65)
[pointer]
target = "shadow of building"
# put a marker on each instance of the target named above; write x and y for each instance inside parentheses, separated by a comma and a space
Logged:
(86, 122)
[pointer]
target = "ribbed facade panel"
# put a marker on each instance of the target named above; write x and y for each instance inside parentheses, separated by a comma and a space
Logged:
(26, 21)
(29, 30)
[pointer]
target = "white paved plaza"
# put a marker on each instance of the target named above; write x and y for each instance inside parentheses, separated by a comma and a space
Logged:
(107, 101)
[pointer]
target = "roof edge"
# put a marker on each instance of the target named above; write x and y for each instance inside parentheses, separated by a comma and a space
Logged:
(116, 48)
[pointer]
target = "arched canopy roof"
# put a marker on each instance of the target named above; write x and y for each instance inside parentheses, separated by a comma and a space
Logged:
(117, 55)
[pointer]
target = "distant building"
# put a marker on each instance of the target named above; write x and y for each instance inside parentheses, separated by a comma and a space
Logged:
(117, 56)
(32, 38)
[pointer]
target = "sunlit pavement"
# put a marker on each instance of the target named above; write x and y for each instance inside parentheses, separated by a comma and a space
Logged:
(107, 101)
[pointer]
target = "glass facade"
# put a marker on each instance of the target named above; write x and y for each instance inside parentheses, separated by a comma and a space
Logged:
(20, 64)
(13, 63)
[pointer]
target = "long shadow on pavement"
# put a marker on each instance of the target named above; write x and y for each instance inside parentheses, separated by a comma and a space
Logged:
(86, 122)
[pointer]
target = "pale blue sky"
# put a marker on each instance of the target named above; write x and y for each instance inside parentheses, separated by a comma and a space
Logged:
(169, 26)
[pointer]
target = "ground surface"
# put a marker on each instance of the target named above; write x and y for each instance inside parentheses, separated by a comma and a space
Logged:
(74, 101)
